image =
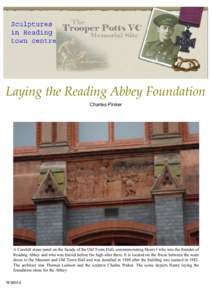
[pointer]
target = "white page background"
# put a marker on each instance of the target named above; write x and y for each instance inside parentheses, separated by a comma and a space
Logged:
(106, 283)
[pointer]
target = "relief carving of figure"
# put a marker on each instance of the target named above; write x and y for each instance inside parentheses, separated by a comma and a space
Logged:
(129, 185)
(104, 177)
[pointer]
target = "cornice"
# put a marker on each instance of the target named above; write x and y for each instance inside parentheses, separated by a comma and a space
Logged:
(106, 152)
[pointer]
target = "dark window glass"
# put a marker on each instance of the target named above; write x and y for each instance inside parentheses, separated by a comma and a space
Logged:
(93, 131)
(129, 130)
(24, 134)
(193, 127)
(111, 212)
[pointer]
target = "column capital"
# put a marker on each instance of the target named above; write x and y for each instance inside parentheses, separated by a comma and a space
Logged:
(167, 183)
(49, 192)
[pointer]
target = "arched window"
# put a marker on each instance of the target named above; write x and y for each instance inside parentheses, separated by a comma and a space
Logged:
(112, 233)
(23, 237)
(192, 233)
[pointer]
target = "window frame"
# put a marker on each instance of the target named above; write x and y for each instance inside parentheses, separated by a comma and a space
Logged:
(166, 132)
(74, 144)
(53, 133)
(29, 149)
(111, 142)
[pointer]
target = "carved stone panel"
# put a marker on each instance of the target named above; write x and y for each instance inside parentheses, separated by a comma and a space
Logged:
(110, 179)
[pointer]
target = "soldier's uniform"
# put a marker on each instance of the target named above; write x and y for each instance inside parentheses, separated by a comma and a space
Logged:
(165, 51)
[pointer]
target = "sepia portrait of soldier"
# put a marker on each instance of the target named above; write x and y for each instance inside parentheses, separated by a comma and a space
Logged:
(162, 49)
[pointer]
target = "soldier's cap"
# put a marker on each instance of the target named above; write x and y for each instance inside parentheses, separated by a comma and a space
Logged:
(165, 19)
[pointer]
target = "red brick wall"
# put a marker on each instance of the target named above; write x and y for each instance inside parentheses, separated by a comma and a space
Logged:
(190, 170)
(25, 182)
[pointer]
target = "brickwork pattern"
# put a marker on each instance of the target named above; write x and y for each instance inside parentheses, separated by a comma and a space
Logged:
(169, 220)
(26, 220)
(143, 213)
(54, 220)
(191, 212)
(50, 224)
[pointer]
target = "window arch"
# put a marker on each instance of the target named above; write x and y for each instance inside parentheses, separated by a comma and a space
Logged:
(113, 233)
(192, 234)
(23, 237)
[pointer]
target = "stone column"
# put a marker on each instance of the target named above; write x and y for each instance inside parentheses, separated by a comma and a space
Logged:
(168, 196)
(169, 220)
(51, 206)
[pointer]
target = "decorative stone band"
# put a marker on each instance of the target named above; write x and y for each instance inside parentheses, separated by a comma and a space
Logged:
(170, 192)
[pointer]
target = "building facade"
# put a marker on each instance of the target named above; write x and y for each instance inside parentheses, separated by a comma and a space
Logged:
(106, 183)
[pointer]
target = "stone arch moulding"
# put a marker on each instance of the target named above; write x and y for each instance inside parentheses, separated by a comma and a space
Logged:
(192, 233)
(23, 237)
(113, 233)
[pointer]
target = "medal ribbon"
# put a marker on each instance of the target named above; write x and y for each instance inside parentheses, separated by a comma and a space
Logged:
(190, 16)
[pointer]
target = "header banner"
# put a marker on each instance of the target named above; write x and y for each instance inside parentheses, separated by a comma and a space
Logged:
(103, 43)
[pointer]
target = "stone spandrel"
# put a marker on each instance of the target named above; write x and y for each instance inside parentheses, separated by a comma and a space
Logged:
(58, 171)
(48, 190)
(167, 183)
(173, 161)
